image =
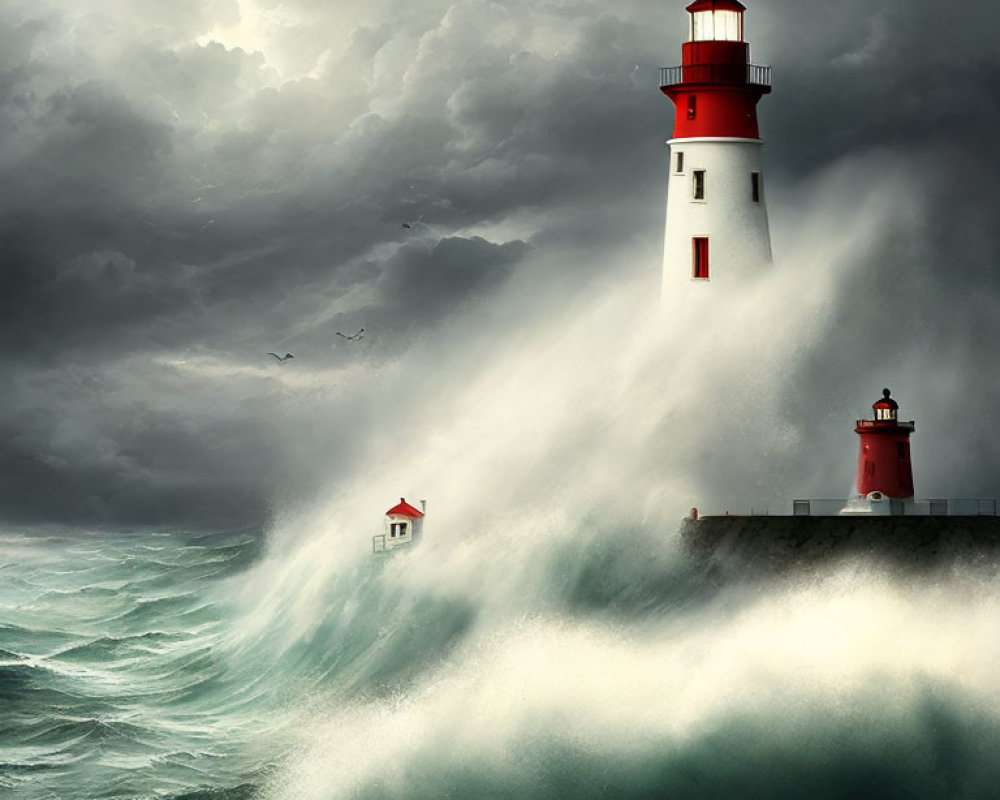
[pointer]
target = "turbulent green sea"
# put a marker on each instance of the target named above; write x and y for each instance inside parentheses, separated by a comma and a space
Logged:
(596, 664)
(112, 680)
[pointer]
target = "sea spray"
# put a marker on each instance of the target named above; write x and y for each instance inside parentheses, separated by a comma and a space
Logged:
(849, 682)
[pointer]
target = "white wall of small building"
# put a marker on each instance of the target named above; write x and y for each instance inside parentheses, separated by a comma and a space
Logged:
(736, 226)
(412, 530)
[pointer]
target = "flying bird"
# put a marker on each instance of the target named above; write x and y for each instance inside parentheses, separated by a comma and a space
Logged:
(406, 225)
(354, 337)
(282, 359)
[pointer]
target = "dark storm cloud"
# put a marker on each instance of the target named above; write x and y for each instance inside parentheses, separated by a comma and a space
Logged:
(414, 277)
(151, 478)
(222, 193)
(167, 196)
(855, 75)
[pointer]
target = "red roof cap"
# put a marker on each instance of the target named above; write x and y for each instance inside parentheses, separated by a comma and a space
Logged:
(716, 5)
(404, 509)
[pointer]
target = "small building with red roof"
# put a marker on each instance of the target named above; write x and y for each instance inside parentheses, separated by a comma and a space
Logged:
(403, 526)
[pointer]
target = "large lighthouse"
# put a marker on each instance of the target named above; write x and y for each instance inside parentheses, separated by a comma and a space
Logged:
(716, 229)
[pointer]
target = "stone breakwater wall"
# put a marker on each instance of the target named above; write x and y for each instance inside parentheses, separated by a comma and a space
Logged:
(754, 545)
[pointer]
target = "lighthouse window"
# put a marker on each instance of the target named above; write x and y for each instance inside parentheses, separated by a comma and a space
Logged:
(755, 186)
(679, 165)
(701, 26)
(698, 184)
(720, 26)
(692, 106)
(699, 254)
(727, 26)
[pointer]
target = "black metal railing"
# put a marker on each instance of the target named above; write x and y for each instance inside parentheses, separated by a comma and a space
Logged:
(751, 74)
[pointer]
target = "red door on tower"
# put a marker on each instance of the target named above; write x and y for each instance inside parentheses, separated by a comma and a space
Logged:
(700, 255)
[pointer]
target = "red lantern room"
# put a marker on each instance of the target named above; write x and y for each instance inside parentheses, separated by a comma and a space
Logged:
(716, 89)
(884, 459)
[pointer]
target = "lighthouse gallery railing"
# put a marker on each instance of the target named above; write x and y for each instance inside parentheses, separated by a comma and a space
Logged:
(752, 74)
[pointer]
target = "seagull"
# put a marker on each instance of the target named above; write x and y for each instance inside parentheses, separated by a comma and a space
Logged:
(353, 338)
(406, 225)
(282, 359)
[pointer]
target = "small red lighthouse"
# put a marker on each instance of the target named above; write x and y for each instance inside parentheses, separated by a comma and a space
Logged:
(884, 458)
(716, 226)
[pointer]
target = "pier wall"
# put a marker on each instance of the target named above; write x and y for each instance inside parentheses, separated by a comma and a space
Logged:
(778, 544)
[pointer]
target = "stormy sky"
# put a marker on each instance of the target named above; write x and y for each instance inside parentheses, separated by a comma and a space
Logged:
(185, 187)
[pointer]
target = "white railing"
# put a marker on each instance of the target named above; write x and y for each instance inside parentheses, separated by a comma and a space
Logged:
(382, 543)
(751, 74)
(758, 75)
(975, 507)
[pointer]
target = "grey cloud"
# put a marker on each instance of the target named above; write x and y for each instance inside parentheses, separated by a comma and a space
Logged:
(425, 282)
(850, 76)
(143, 444)
(88, 145)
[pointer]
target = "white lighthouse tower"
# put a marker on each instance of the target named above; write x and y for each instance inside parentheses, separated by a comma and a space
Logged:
(716, 229)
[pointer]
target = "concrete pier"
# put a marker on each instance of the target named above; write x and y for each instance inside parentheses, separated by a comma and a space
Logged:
(735, 546)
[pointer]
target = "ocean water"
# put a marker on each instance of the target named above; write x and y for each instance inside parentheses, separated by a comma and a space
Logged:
(594, 661)
(111, 680)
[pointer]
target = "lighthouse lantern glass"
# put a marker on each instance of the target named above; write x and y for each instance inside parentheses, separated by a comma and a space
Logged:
(718, 26)
(885, 414)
